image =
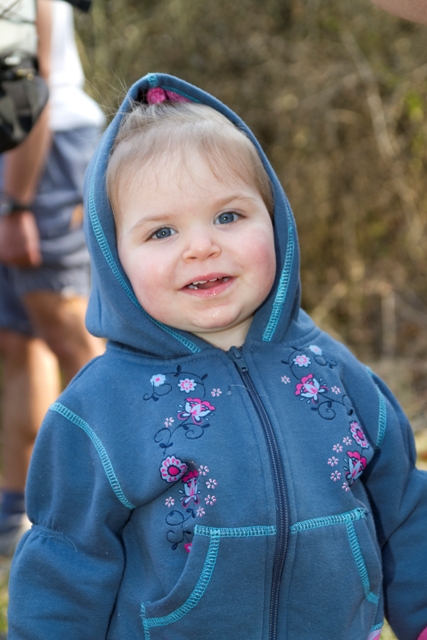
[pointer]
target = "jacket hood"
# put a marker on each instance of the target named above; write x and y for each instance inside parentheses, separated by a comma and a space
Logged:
(114, 311)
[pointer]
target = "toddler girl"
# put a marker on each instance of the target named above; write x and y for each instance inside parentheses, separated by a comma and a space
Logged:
(226, 469)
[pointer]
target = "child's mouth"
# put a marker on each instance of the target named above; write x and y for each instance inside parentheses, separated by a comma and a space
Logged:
(207, 284)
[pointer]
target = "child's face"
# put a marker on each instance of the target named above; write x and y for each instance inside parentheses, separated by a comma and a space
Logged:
(198, 251)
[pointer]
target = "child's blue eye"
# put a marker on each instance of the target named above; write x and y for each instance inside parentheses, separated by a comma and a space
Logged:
(227, 217)
(164, 232)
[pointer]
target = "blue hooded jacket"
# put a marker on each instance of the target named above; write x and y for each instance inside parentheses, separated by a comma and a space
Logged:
(181, 491)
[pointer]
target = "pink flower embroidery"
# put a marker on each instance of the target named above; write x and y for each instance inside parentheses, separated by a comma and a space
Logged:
(337, 447)
(345, 487)
(285, 379)
(187, 385)
(302, 360)
(169, 502)
(336, 390)
(216, 392)
(309, 387)
(356, 466)
(347, 440)
(203, 470)
(168, 422)
(315, 349)
(172, 469)
(210, 500)
(200, 512)
(335, 475)
(157, 380)
(333, 461)
(196, 409)
(358, 435)
(211, 483)
(191, 488)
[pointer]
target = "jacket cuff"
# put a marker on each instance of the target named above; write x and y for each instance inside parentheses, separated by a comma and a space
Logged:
(423, 635)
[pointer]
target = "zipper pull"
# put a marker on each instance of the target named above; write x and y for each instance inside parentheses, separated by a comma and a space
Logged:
(236, 355)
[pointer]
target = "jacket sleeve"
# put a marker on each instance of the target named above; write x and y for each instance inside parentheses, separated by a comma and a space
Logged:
(398, 496)
(67, 569)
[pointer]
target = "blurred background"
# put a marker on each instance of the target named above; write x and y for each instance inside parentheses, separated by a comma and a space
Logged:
(336, 93)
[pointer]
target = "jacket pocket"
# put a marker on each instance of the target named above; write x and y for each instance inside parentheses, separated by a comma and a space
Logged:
(214, 597)
(335, 587)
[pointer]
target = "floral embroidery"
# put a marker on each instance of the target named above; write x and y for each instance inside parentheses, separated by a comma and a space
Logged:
(285, 379)
(302, 360)
(158, 380)
(358, 435)
(335, 475)
(187, 385)
(337, 447)
(169, 422)
(333, 461)
(345, 486)
(172, 469)
(309, 387)
(193, 419)
(336, 390)
(347, 440)
(317, 350)
(180, 530)
(356, 464)
(191, 488)
(216, 392)
(187, 382)
(180, 520)
(196, 410)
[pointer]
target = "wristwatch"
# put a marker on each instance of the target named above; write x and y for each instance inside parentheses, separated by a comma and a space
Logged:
(8, 205)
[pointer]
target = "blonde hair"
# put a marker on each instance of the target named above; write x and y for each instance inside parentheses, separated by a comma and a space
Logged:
(150, 131)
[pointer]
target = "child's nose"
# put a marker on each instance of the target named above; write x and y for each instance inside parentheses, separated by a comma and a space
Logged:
(201, 246)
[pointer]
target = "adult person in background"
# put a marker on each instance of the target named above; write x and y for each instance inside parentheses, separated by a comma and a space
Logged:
(415, 10)
(44, 270)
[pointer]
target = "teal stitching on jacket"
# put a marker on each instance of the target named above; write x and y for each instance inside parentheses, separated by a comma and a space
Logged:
(106, 463)
(105, 248)
(382, 415)
(342, 518)
(382, 420)
(282, 289)
(360, 563)
(239, 532)
(152, 79)
(196, 594)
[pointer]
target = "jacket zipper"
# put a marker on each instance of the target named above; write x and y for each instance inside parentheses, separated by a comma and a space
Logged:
(282, 520)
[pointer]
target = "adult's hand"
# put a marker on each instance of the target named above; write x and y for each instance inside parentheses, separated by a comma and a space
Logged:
(415, 10)
(19, 240)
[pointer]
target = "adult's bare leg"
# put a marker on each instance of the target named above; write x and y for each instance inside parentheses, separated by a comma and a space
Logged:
(30, 383)
(59, 320)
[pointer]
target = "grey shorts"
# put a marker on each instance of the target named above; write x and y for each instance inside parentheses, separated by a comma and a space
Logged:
(58, 212)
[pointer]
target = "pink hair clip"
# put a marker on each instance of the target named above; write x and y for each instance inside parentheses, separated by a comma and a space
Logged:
(157, 95)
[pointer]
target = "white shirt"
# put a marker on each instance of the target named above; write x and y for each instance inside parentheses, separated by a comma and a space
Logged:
(70, 106)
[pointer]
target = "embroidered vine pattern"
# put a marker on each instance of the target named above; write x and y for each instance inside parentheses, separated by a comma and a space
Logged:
(161, 384)
(312, 389)
(352, 462)
(193, 502)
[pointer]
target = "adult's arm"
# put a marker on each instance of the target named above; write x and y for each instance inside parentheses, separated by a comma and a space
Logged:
(415, 10)
(19, 240)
